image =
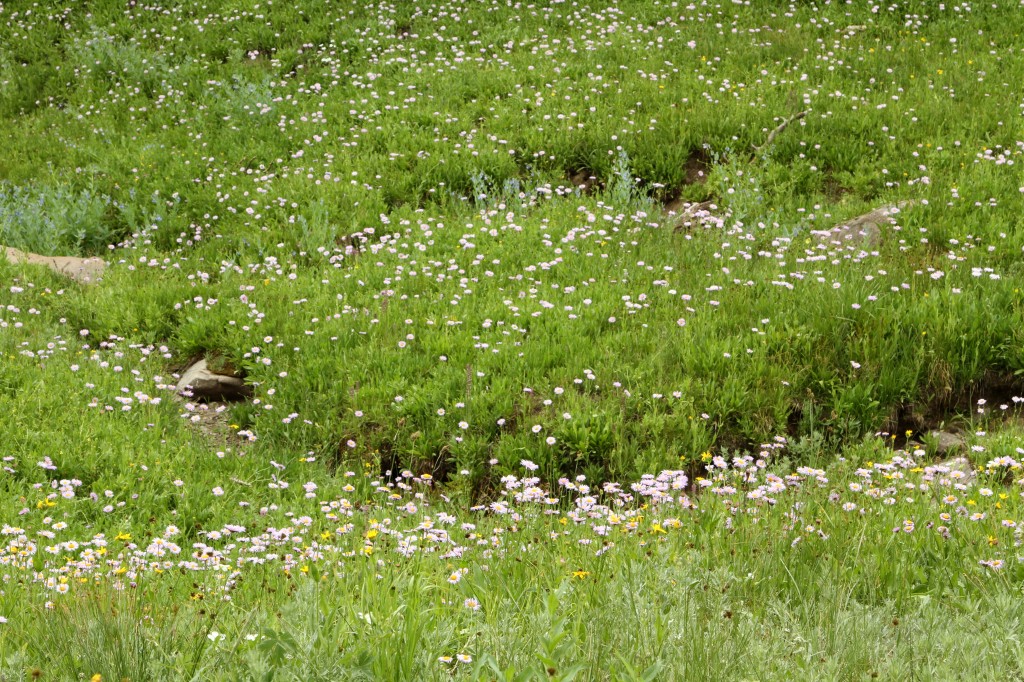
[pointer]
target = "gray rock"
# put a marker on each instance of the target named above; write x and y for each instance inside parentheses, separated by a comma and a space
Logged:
(957, 469)
(684, 215)
(946, 443)
(83, 270)
(863, 230)
(201, 383)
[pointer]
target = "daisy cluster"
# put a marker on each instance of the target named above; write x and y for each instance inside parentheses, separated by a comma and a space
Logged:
(405, 518)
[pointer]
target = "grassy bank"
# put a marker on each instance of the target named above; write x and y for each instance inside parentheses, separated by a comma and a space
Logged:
(438, 240)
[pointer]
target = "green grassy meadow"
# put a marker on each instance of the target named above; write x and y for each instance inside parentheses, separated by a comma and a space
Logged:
(512, 416)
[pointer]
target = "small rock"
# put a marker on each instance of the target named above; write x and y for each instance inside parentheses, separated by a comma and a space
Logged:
(83, 270)
(685, 215)
(864, 229)
(204, 384)
(585, 182)
(958, 469)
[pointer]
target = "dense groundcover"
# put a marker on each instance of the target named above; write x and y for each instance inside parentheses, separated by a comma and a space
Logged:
(553, 366)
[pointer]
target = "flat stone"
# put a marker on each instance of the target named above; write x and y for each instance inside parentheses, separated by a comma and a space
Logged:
(200, 383)
(83, 270)
(863, 230)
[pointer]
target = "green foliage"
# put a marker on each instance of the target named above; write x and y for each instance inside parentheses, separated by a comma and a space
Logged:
(56, 220)
(370, 211)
